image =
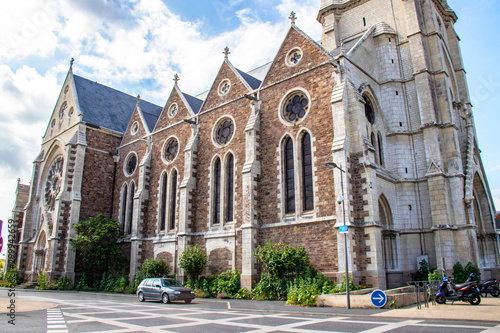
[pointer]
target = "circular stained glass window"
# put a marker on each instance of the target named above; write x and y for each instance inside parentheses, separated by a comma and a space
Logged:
(131, 164)
(224, 87)
(171, 149)
(369, 113)
(172, 111)
(296, 106)
(62, 110)
(224, 131)
(294, 57)
(53, 183)
(135, 128)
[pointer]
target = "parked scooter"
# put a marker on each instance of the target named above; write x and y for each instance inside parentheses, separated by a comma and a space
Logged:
(465, 292)
(489, 286)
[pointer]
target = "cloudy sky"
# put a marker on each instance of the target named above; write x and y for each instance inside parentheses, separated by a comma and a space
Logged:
(137, 46)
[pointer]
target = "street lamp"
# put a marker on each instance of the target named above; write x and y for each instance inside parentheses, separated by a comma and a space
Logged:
(340, 199)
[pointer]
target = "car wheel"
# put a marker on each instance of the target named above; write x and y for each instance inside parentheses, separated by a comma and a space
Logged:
(187, 301)
(141, 297)
(164, 298)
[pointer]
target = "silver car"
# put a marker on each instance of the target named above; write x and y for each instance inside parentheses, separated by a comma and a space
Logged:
(163, 289)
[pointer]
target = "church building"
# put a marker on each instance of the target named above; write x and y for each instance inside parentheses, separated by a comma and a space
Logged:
(383, 95)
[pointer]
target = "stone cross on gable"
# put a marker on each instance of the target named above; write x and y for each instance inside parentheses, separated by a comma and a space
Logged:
(176, 78)
(138, 99)
(292, 17)
(71, 63)
(226, 52)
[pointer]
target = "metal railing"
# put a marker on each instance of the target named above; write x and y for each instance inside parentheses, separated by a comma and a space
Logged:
(425, 291)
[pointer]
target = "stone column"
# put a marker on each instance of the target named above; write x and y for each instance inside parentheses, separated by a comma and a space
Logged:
(250, 172)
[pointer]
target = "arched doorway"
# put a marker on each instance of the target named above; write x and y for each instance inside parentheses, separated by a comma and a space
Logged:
(40, 251)
(390, 236)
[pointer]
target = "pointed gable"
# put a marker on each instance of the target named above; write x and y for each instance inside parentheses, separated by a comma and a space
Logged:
(298, 52)
(179, 106)
(229, 84)
(107, 107)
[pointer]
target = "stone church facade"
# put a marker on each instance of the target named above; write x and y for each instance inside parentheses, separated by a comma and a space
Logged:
(383, 95)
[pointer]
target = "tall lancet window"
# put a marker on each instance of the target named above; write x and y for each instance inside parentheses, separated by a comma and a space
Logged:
(163, 201)
(307, 175)
(229, 188)
(289, 176)
(216, 191)
(130, 213)
(124, 207)
(173, 197)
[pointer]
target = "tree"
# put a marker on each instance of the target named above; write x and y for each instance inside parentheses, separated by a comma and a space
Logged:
(152, 268)
(98, 245)
(193, 261)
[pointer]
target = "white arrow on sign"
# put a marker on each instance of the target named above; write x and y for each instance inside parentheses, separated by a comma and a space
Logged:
(380, 298)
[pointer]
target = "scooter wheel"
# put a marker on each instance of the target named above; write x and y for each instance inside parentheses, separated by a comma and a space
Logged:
(441, 300)
(475, 299)
(495, 292)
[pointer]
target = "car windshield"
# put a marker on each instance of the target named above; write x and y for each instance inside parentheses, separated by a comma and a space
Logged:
(171, 283)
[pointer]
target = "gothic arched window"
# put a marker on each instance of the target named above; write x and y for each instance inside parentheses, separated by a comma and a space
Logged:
(124, 206)
(289, 176)
(369, 111)
(380, 150)
(230, 188)
(163, 201)
(216, 191)
(173, 197)
(130, 208)
(307, 175)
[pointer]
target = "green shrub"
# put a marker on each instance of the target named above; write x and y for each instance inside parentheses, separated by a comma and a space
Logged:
(303, 293)
(459, 273)
(11, 277)
(435, 275)
(423, 271)
(193, 261)
(227, 284)
(471, 268)
(63, 282)
(151, 268)
(84, 283)
(43, 281)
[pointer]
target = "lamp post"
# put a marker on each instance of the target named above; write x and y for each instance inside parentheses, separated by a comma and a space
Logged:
(340, 198)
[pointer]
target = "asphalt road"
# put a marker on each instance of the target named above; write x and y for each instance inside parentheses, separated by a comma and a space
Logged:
(93, 312)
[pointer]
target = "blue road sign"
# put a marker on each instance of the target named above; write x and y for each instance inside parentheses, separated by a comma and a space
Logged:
(378, 298)
(343, 229)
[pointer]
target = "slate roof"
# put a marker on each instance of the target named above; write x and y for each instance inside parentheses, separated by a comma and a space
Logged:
(150, 119)
(347, 46)
(252, 82)
(194, 103)
(109, 108)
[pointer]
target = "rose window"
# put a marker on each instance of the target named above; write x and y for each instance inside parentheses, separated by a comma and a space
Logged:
(296, 107)
(224, 132)
(171, 150)
(53, 183)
